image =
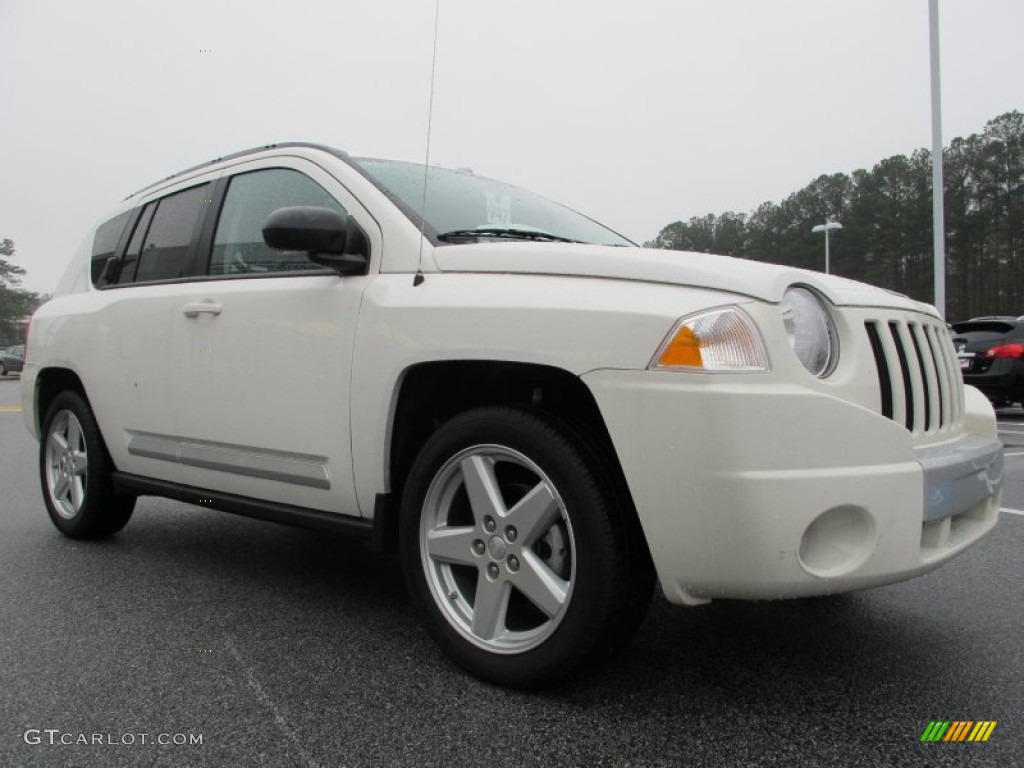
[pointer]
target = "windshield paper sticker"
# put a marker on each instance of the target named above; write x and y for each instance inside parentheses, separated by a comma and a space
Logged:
(499, 209)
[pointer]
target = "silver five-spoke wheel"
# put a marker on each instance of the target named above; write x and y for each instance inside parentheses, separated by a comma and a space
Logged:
(67, 464)
(524, 561)
(76, 472)
(497, 548)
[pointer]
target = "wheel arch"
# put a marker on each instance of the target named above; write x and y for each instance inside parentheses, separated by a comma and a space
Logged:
(431, 393)
(50, 382)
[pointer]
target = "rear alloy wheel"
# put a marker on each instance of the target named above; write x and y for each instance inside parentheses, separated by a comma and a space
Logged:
(76, 473)
(515, 555)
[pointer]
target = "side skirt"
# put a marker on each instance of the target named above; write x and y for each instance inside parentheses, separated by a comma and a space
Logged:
(300, 517)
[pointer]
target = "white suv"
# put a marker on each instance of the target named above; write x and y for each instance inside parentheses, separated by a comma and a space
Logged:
(540, 416)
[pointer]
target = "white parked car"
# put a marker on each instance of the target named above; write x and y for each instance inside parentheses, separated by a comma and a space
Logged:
(540, 416)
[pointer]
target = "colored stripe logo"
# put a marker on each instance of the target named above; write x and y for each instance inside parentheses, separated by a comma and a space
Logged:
(958, 730)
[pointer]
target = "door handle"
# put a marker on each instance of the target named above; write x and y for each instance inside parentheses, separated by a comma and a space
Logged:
(194, 309)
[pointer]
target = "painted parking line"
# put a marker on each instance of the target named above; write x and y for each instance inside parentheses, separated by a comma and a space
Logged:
(1012, 511)
(10, 409)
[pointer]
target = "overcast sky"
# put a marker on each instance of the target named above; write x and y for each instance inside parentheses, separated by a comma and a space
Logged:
(638, 113)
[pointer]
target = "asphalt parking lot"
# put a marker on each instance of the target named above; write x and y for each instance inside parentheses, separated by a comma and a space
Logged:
(281, 647)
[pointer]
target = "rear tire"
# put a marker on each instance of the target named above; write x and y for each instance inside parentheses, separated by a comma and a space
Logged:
(520, 562)
(75, 471)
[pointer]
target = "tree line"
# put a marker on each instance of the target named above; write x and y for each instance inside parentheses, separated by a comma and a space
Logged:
(16, 303)
(886, 214)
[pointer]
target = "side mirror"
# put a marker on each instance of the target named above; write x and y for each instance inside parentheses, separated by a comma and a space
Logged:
(321, 232)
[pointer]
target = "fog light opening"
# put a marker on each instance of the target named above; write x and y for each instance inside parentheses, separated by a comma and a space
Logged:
(838, 542)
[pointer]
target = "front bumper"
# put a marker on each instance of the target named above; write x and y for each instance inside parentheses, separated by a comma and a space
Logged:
(751, 489)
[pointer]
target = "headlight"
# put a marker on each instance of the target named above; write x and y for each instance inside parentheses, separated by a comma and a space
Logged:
(722, 340)
(811, 332)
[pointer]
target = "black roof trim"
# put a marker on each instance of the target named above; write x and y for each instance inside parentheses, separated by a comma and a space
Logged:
(235, 155)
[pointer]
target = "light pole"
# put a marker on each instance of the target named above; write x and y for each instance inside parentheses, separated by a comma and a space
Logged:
(938, 210)
(827, 227)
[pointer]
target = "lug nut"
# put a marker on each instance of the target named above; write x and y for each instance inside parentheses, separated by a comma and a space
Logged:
(511, 534)
(489, 524)
(513, 563)
(492, 570)
(479, 547)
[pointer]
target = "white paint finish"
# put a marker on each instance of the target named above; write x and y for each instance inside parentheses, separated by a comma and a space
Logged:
(272, 369)
(575, 324)
(1012, 511)
(271, 372)
(313, 365)
(724, 515)
(128, 376)
(723, 273)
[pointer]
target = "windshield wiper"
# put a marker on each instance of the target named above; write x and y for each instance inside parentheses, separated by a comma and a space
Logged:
(503, 232)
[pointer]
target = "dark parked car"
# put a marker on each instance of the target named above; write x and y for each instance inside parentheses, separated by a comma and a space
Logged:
(12, 360)
(991, 352)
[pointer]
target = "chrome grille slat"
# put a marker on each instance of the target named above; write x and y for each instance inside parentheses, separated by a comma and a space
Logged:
(920, 386)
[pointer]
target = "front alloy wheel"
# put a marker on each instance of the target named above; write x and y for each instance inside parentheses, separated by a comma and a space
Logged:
(497, 548)
(523, 561)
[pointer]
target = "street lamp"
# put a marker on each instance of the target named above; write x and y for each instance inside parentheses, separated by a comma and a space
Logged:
(827, 227)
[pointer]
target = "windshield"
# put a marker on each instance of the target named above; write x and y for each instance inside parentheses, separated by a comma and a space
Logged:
(462, 207)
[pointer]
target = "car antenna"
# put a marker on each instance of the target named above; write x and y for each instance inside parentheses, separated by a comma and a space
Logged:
(418, 279)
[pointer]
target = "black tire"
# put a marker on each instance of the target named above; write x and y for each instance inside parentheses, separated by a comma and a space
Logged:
(575, 583)
(75, 472)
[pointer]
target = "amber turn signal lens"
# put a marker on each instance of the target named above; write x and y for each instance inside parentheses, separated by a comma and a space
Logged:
(683, 350)
(717, 341)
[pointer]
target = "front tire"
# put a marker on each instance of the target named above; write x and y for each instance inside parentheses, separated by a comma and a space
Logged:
(520, 562)
(76, 472)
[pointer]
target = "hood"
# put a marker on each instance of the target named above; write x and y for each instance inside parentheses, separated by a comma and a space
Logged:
(698, 270)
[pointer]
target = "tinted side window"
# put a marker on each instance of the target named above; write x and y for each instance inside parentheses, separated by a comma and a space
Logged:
(105, 243)
(238, 246)
(165, 249)
(130, 260)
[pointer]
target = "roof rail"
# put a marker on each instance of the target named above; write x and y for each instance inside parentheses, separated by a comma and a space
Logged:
(280, 145)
